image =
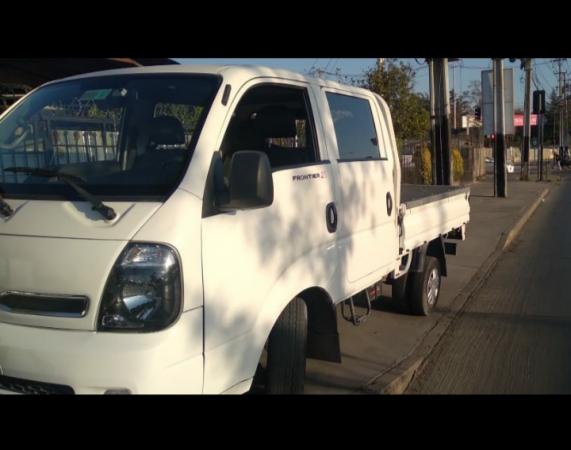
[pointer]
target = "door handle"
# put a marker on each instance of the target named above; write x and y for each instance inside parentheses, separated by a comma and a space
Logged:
(331, 217)
(389, 204)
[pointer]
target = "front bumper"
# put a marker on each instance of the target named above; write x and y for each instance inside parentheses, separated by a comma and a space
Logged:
(166, 362)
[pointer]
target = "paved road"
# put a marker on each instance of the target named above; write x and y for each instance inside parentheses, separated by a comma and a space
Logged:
(514, 336)
(370, 352)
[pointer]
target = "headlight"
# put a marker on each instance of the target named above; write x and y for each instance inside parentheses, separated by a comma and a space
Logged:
(143, 292)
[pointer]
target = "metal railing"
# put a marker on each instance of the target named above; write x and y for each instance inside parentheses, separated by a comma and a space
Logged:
(415, 171)
(66, 147)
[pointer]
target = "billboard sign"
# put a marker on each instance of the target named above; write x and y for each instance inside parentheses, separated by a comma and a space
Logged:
(488, 101)
(518, 120)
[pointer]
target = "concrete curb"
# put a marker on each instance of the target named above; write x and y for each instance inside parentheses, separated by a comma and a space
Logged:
(523, 220)
(397, 379)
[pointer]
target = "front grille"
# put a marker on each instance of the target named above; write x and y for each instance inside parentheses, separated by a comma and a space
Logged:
(43, 305)
(29, 387)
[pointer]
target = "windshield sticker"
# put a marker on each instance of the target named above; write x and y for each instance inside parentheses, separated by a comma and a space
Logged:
(119, 93)
(96, 94)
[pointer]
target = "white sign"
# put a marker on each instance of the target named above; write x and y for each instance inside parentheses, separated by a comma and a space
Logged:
(488, 101)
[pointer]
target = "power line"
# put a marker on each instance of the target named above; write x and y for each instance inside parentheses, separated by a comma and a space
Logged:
(327, 66)
(313, 68)
(334, 63)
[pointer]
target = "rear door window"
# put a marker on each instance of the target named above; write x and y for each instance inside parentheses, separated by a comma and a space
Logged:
(354, 127)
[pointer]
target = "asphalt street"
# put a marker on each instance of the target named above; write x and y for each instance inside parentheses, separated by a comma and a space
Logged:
(514, 335)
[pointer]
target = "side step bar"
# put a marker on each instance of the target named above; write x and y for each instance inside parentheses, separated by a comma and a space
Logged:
(371, 293)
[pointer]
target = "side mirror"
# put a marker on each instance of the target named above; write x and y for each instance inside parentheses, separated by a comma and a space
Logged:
(250, 184)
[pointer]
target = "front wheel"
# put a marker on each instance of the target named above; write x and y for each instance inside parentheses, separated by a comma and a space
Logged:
(286, 351)
(424, 288)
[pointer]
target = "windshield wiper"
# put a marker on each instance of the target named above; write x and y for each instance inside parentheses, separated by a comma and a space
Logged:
(71, 180)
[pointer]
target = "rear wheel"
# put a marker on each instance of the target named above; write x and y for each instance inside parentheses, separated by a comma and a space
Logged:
(286, 351)
(424, 288)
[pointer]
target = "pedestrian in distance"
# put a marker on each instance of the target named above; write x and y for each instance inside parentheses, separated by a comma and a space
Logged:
(556, 161)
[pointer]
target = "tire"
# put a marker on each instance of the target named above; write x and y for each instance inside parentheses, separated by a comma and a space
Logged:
(424, 287)
(286, 351)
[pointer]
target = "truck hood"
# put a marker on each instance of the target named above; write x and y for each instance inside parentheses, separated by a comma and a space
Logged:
(63, 250)
(75, 220)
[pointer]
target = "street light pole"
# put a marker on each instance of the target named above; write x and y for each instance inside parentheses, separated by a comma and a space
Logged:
(540, 155)
(441, 132)
(432, 120)
(526, 63)
(445, 124)
(500, 133)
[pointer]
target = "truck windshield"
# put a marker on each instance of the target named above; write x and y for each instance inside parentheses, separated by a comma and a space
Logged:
(128, 136)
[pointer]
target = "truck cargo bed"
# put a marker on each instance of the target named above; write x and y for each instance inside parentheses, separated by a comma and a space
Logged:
(432, 211)
(418, 194)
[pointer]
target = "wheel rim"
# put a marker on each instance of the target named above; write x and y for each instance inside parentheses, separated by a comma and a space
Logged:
(432, 286)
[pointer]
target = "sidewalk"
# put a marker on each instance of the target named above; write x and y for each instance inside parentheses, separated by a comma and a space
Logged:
(382, 354)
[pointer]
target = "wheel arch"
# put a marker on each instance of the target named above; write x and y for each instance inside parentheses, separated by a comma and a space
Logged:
(322, 334)
(434, 248)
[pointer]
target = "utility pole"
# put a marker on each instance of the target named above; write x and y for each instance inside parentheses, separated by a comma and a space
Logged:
(539, 109)
(500, 158)
(526, 64)
(566, 122)
(540, 154)
(381, 64)
(442, 125)
(446, 160)
(432, 118)
(454, 120)
(560, 73)
(563, 146)
(453, 99)
(494, 121)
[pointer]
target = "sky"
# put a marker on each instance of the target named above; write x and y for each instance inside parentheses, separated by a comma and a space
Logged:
(461, 72)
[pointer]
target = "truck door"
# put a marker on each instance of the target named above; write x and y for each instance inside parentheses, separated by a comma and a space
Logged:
(367, 235)
(255, 261)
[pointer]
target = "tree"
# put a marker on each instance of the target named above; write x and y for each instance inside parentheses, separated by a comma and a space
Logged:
(474, 93)
(463, 105)
(469, 98)
(551, 119)
(425, 100)
(395, 82)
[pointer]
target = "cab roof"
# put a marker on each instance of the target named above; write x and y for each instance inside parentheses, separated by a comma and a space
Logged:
(233, 73)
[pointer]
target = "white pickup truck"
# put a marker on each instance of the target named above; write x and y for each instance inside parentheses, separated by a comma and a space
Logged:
(189, 229)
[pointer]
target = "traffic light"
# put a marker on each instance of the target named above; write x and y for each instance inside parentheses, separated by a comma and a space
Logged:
(478, 113)
(538, 102)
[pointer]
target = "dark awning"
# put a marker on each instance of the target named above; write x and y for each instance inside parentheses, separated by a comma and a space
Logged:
(34, 72)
